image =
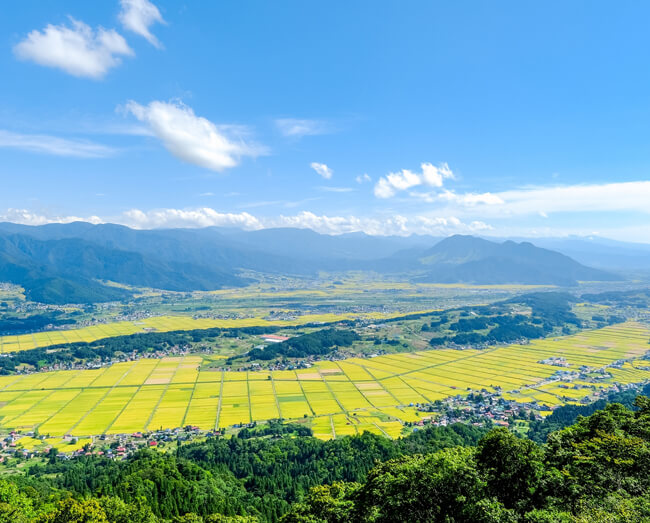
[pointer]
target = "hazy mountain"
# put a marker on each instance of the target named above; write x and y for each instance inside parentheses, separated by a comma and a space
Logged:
(66, 270)
(44, 284)
(601, 252)
(63, 262)
(230, 247)
(467, 259)
(312, 245)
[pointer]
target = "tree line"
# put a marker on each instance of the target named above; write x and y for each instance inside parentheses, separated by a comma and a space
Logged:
(318, 343)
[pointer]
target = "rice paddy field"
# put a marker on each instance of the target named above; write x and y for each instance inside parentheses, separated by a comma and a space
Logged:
(163, 324)
(342, 397)
(154, 324)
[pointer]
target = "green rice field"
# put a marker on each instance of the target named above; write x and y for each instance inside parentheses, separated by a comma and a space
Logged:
(342, 397)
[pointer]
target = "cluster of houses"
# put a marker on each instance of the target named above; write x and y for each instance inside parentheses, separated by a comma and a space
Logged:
(95, 364)
(117, 446)
(556, 361)
(478, 409)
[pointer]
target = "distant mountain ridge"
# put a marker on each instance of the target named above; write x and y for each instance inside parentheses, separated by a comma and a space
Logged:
(64, 263)
(66, 270)
(467, 259)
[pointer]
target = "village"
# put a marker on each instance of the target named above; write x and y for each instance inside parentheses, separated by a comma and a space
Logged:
(478, 408)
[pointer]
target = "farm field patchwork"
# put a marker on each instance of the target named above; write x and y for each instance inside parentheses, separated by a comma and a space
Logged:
(163, 324)
(342, 397)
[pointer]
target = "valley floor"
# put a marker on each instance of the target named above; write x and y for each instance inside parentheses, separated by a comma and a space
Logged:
(339, 397)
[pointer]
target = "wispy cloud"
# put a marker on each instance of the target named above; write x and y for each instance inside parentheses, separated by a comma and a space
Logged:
(261, 203)
(297, 128)
(431, 176)
(465, 199)
(325, 188)
(363, 178)
(117, 129)
(322, 169)
(44, 144)
(138, 16)
(278, 203)
(291, 204)
(76, 49)
(544, 201)
(192, 138)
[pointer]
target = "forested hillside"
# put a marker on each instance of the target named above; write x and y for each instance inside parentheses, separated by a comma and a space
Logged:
(595, 470)
(67, 263)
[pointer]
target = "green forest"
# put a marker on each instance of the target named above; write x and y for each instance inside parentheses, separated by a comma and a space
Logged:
(597, 469)
(317, 343)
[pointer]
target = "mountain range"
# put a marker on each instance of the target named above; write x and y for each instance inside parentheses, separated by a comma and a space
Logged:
(67, 263)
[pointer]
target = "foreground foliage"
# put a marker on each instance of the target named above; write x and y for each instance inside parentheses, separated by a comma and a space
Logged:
(597, 469)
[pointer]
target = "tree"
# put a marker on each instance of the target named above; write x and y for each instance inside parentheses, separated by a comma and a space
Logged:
(72, 511)
(15, 506)
(117, 511)
(444, 486)
(327, 504)
(511, 466)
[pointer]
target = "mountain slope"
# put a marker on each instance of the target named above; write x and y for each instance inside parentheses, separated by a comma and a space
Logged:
(66, 270)
(59, 263)
(602, 253)
(44, 285)
(281, 250)
(467, 259)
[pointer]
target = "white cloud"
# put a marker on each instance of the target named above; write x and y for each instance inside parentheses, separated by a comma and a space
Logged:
(25, 217)
(387, 186)
(192, 138)
(466, 199)
(433, 176)
(53, 145)
(138, 15)
(362, 178)
(392, 183)
(481, 198)
(393, 225)
(544, 201)
(622, 196)
(388, 226)
(206, 217)
(77, 49)
(297, 128)
(322, 169)
(181, 218)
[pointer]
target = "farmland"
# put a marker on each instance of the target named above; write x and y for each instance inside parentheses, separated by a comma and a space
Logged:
(340, 397)
(274, 302)
(157, 324)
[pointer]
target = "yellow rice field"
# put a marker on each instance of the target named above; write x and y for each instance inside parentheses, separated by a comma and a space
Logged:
(164, 324)
(343, 397)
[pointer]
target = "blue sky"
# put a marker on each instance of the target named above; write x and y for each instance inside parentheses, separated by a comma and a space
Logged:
(516, 118)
